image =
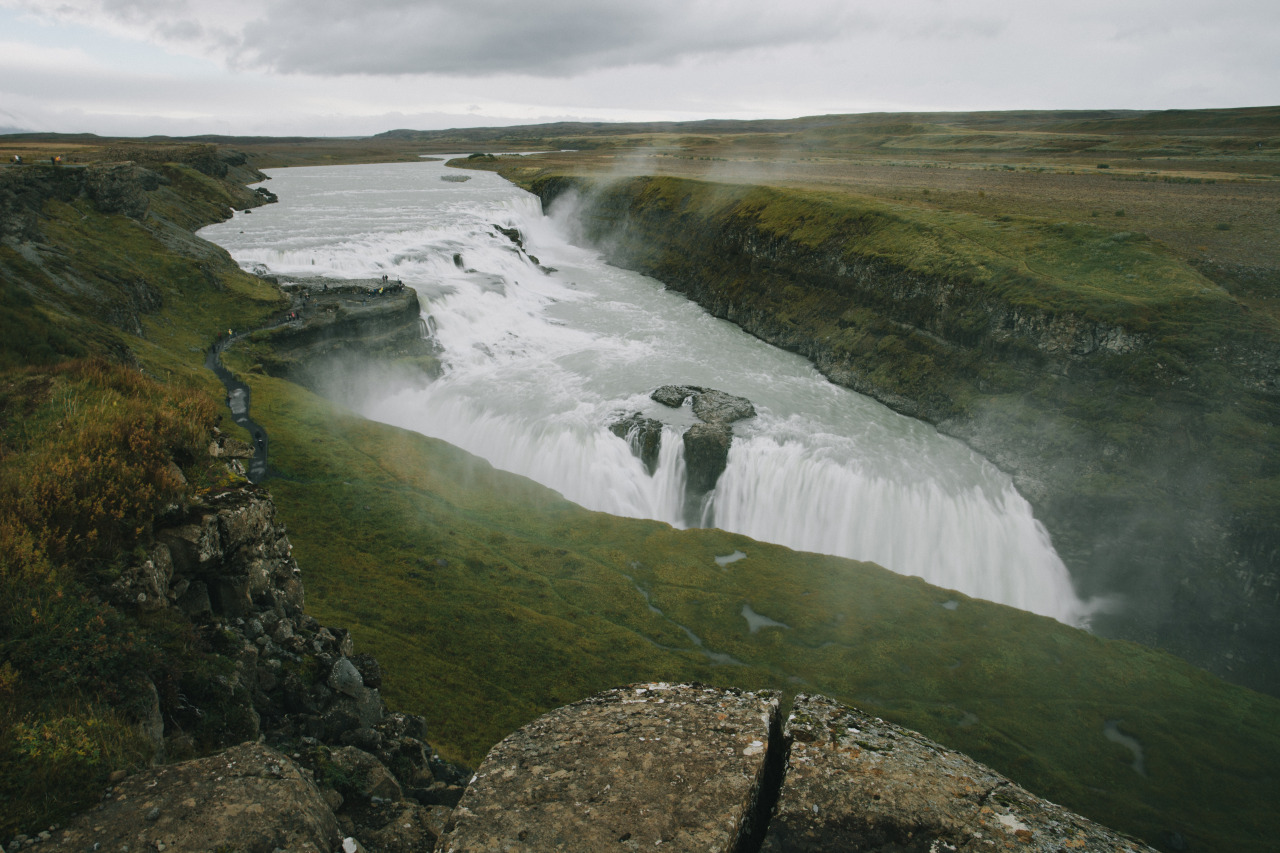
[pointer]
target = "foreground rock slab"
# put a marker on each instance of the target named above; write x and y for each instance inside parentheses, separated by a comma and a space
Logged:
(857, 783)
(644, 767)
(249, 798)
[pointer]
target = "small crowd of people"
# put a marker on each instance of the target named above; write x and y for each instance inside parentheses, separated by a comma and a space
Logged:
(388, 287)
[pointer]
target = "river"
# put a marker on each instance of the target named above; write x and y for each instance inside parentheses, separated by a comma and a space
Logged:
(537, 364)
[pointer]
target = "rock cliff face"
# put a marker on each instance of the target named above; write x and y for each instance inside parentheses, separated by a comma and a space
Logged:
(1121, 451)
(337, 323)
(226, 566)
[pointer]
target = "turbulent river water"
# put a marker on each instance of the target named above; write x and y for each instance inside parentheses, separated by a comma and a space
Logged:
(538, 364)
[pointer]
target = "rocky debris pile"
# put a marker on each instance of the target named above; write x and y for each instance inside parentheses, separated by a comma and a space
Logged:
(697, 768)
(671, 765)
(706, 445)
(290, 682)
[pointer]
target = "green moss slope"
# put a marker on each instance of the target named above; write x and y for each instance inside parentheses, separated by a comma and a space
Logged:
(1132, 398)
(490, 599)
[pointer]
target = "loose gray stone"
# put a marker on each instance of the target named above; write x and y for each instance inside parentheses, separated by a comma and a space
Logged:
(345, 678)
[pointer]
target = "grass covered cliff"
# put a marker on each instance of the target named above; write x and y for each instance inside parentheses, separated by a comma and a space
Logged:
(1133, 399)
(489, 599)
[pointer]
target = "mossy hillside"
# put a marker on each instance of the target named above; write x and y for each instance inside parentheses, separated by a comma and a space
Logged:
(1108, 275)
(101, 277)
(1127, 394)
(490, 599)
(89, 450)
(93, 454)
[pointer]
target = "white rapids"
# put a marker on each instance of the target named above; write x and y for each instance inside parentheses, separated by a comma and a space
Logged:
(538, 364)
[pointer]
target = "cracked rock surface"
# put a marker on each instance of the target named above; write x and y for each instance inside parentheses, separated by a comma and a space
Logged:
(650, 766)
(856, 783)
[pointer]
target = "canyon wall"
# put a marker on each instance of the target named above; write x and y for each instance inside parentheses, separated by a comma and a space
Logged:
(1126, 447)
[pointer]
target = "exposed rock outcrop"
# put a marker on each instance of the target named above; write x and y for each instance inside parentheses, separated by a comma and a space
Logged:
(706, 445)
(226, 565)
(855, 782)
(643, 435)
(635, 768)
(696, 768)
(249, 798)
(331, 320)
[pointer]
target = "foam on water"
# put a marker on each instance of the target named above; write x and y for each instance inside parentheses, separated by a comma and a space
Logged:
(537, 365)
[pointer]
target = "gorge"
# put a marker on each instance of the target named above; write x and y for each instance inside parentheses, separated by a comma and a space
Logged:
(487, 598)
(538, 359)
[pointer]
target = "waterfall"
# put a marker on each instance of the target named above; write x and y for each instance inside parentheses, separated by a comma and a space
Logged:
(541, 356)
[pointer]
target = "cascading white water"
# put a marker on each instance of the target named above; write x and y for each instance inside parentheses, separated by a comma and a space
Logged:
(538, 364)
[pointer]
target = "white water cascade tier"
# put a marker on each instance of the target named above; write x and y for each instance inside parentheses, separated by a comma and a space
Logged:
(542, 356)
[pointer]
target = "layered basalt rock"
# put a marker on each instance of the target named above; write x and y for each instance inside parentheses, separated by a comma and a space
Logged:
(333, 324)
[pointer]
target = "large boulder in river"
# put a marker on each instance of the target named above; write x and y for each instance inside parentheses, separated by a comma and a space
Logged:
(674, 395)
(644, 435)
(706, 445)
(706, 453)
(711, 406)
(717, 407)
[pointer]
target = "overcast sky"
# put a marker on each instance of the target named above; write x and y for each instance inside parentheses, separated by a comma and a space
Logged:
(356, 67)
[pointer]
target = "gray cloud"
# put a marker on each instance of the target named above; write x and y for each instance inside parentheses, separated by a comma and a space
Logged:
(448, 37)
(347, 65)
(550, 38)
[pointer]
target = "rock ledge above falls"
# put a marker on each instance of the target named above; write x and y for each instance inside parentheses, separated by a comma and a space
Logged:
(706, 445)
